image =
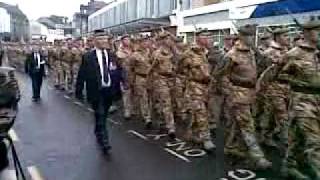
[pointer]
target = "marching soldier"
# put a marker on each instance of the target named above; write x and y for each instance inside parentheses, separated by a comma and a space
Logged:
(302, 73)
(124, 53)
(181, 52)
(236, 80)
(265, 40)
(77, 53)
(197, 91)
(162, 69)
(275, 93)
(141, 63)
(57, 66)
(67, 66)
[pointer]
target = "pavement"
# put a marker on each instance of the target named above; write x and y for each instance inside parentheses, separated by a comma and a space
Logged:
(55, 141)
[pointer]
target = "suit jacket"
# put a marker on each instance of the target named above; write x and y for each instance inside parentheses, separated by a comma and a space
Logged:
(31, 65)
(89, 73)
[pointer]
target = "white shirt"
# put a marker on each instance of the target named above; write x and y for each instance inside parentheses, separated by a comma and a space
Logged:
(37, 57)
(99, 56)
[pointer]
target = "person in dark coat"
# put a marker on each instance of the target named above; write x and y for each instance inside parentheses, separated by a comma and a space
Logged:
(102, 75)
(35, 67)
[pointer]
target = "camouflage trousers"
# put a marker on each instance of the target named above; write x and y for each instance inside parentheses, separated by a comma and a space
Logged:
(143, 101)
(163, 91)
(58, 75)
(273, 115)
(239, 126)
(68, 77)
(75, 70)
(303, 158)
(179, 98)
(127, 95)
(197, 96)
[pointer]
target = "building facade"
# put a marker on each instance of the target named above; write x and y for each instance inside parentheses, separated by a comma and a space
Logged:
(80, 19)
(133, 15)
(14, 24)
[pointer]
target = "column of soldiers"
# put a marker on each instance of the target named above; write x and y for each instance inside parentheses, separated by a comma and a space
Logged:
(262, 96)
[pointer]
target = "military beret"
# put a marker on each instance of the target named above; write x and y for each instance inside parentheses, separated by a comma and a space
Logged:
(248, 30)
(265, 35)
(280, 30)
(179, 39)
(313, 23)
(229, 37)
(203, 32)
(163, 34)
(125, 36)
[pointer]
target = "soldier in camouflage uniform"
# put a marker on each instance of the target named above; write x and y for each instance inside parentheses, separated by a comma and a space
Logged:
(67, 62)
(162, 69)
(124, 53)
(77, 53)
(181, 52)
(57, 65)
(275, 94)
(197, 91)
(265, 40)
(140, 63)
(237, 79)
(302, 73)
(9, 97)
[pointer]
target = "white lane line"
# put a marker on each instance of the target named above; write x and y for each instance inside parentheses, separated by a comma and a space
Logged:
(177, 155)
(90, 109)
(114, 122)
(35, 173)
(78, 103)
(138, 135)
(13, 135)
(67, 97)
(8, 175)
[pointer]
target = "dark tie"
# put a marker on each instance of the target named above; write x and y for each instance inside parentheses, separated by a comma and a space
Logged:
(105, 68)
(37, 61)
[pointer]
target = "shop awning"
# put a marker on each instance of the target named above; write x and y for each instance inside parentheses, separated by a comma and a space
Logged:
(281, 7)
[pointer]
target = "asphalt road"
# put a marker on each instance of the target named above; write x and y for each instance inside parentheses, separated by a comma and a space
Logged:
(55, 141)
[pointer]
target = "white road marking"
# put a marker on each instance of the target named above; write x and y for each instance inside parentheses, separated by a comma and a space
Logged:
(67, 97)
(177, 155)
(13, 135)
(90, 109)
(8, 175)
(114, 122)
(35, 173)
(78, 103)
(138, 135)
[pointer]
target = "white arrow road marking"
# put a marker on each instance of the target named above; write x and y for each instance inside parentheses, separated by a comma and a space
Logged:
(13, 135)
(177, 155)
(35, 173)
(138, 135)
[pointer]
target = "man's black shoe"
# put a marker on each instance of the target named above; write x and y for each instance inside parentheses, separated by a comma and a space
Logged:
(106, 150)
(148, 125)
(172, 136)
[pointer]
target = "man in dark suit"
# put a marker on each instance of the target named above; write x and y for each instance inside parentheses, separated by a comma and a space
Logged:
(102, 75)
(35, 67)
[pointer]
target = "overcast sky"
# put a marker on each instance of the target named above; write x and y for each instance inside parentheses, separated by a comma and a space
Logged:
(37, 8)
